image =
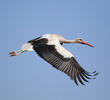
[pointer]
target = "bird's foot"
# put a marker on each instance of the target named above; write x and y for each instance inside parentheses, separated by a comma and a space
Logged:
(13, 53)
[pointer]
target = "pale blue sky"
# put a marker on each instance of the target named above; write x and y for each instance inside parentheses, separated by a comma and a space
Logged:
(27, 76)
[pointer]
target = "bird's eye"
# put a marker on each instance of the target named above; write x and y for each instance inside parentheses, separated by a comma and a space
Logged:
(80, 39)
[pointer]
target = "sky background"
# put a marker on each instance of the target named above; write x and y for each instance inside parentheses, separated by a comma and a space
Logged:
(27, 76)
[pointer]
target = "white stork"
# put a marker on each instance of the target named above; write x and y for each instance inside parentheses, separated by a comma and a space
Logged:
(49, 47)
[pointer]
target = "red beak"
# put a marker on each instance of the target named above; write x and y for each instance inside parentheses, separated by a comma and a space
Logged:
(83, 42)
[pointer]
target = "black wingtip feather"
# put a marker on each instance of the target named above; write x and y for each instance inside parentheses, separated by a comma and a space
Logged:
(80, 79)
(83, 78)
(96, 73)
(74, 77)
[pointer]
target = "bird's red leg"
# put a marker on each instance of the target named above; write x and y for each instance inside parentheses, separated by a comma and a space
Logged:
(14, 53)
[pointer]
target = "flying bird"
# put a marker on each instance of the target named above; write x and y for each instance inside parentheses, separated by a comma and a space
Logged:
(49, 47)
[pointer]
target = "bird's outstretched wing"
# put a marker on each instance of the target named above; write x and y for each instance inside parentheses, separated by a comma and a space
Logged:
(68, 65)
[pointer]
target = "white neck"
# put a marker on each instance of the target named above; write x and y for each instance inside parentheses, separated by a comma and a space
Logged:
(68, 41)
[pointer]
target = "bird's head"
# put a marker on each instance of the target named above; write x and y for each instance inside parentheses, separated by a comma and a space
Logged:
(81, 41)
